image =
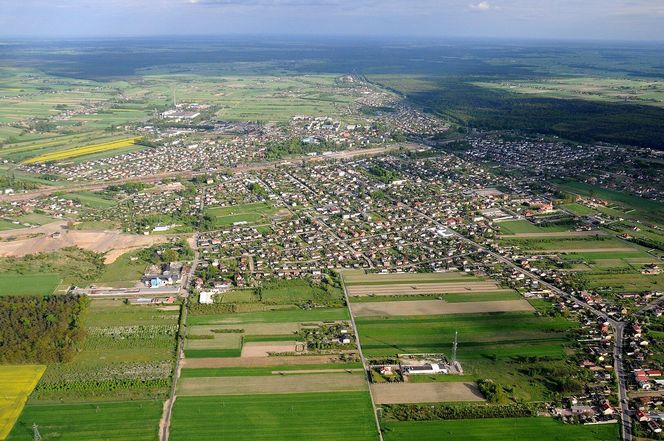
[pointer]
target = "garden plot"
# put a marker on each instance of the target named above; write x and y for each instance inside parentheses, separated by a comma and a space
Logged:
(395, 393)
(437, 307)
(423, 288)
(272, 384)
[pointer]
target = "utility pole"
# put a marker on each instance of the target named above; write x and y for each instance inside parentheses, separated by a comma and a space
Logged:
(35, 433)
(454, 346)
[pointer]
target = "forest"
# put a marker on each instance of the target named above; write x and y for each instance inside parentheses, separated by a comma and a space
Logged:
(41, 329)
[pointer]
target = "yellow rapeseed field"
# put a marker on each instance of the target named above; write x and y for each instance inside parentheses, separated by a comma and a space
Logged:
(16, 383)
(82, 151)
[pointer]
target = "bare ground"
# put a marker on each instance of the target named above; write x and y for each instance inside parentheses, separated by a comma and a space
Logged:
(263, 349)
(394, 393)
(271, 384)
(54, 236)
(437, 307)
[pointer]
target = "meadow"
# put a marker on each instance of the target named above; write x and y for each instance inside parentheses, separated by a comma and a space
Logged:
(498, 429)
(322, 416)
(524, 226)
(16, 384)
(276, 316)
(254, 213)
(491, 345)
(21, 284)
(117, 421)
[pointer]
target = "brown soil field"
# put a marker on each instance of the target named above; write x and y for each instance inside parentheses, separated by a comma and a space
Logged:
(437, 307)
(289, 360)
(41, 239)
(262, 349)
(422, 288)
(395, 393)
(271, 384)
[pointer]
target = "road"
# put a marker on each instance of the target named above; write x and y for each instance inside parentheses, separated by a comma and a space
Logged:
(365, 365)
(165, 422)
(618, 326)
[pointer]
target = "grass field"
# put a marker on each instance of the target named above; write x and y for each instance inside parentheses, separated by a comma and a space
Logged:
(524, 226)
(92, 200)
(28, 284)
(75, 152)
(329, 416)
(490, 345)
(254, 213)
(498, 429)
(358, 277)
(279, 316)
(123, 273)
(120, 421)
(16, 383)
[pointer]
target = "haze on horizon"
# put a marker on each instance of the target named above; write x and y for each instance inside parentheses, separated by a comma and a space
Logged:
(540, 19)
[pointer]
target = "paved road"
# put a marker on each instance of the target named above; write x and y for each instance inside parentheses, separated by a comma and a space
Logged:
(168, 406)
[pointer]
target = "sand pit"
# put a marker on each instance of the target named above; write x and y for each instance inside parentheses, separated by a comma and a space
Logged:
(395, 393)
(423, 288)
(437, 307)
(197, 363)
(54, 236)
(272, 384)
(263, 349)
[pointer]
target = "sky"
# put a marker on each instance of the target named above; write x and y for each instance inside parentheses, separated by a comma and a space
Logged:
(539, 19)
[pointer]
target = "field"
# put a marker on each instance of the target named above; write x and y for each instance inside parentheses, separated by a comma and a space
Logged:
(75, 152)
(492, 345)
(122, 273)
(273, 384)
(499, 429)
(118, 421)
(617, 90)
(254, 213)
(524, 226)
(436, 307)
(388, 393)
(16, 383)
(321, 416)
(28, 284)
(358, 277)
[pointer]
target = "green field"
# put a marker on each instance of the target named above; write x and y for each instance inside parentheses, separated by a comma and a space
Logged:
(260, 371)
(278, 316)
(121, 421)
(28, 284)
(292, 417)
(498, 429)
(91, 200)
(123, 273)
(645, 209)
(254, 213)
(524, 226)
(494, 346)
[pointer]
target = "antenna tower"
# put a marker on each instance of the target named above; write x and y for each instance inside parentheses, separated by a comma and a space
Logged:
(35, 433)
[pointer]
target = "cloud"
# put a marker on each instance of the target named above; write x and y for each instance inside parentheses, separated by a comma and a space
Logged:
(482, 6)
